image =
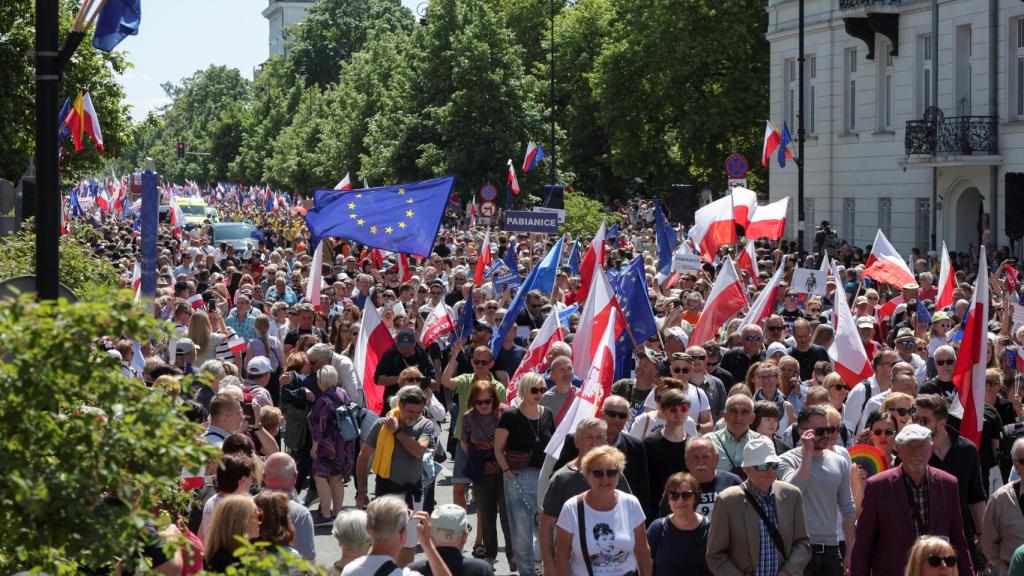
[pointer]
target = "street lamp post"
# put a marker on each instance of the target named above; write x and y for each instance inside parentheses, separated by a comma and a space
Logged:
(553, 168)
(800, 137)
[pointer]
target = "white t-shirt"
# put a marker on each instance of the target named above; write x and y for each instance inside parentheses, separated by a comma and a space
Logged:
(648, 423)
(610, 536)
(698, 400)
(368, 565)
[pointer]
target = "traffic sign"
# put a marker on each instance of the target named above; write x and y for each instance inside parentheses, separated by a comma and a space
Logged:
(736, 166)
(488, 192)
(737, 182)
(488, 209)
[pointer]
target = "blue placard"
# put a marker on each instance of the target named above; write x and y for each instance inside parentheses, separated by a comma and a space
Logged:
(528, 221)
(489, 192)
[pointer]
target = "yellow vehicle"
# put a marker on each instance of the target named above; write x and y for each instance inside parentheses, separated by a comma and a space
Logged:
(194, 209)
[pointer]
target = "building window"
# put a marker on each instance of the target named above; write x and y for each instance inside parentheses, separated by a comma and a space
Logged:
(1017, 68)
(885, 216)
(849, 220)
(924, 63)
(812, 92)
(850, 90)
(923, 224)
(963, 72)
(792, 82)
(887, 74)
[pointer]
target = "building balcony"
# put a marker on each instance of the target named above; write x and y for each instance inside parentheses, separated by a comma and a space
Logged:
(871, 5)
(952, 136)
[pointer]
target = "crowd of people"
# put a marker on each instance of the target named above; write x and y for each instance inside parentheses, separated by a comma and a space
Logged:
(744, 454)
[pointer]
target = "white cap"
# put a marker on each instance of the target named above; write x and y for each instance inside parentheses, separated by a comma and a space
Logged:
(759, 451)
(912, 432)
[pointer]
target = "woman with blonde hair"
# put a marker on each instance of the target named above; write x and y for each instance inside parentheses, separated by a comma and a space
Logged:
(901, 406)
(235, 516)
(931, 556)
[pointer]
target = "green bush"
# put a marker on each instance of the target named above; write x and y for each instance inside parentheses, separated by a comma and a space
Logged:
(60, 460)
(583, 216)
(88, 277)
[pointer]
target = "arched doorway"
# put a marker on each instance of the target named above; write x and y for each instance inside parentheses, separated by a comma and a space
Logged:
(966, 215)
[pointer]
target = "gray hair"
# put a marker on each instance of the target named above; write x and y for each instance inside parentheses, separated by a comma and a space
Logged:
(1017, 444)
(320, 353)
(561, 349)
(590, 422)
(213, 368)
(386, 517)
(327, 376)
(350, 531)
(945, 348)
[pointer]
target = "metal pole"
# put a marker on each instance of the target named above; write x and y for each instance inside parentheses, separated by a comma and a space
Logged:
(935, 102)
(47, 197)
(554, 168)
(800, 139)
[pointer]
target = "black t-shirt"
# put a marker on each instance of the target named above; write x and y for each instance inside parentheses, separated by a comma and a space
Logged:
(736, 362)
(525, 435)
(678, 551)
(709, 491)
(456, 562)
(991, 430)
(790, 316)
(945, 389)
(392, 363)
(807, 359)
(509, 360)
(292, 337)
(664, 458)
(962, 462)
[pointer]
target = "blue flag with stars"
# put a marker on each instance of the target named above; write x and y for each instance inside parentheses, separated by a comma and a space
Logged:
(574, 258)
(922, 313)
(666, 240)
(630, 286)
(467, 317)
(541, 277)
(399, 218)
(512, 258)
(613, 232)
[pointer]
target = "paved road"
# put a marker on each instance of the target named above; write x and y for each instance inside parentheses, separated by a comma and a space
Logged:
(328, 551)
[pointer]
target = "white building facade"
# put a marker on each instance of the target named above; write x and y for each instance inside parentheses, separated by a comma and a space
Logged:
(281, 14)
(877, 153)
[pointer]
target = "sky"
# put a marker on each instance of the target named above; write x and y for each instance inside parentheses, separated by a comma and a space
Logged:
(179, 37)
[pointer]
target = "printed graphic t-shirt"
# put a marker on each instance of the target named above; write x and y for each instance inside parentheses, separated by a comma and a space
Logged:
(610, 535)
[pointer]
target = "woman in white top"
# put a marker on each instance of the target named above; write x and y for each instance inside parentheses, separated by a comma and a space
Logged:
(650, 422)
(614, 538)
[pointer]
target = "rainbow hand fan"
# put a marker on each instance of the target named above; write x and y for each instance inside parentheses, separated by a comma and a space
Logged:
(871, 459)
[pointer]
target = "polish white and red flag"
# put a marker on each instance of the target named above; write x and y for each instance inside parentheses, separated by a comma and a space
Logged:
(103, 200)
(764, 304)
(847, 350)
(513, 182)
(344, 184)
(316, 270)
(439, 323)
(772, 140)
(137, 282)
(947, 281)
(971, 361)
(596, 386)
(177, 218)
(744, 204)
(196, 300)
(769, 221)
(374, 340)
(886, 265)
(727, 297)
(592, 259)
(714, 226)
(536, 358)
(600, 309)
(748, 261)
(235, 342)
(404, 270)
(483, 260)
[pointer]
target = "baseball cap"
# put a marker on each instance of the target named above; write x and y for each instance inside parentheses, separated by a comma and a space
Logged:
(776, 348)
(759, 451)
(940, 316)
(865, 322)
(406, 338)
(258, 366)
(448, 522)
(186, 345)
(912, 432)
(479, 326)
(653, 356)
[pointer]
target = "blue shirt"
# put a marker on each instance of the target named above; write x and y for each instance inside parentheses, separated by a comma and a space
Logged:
(246, 327)
(768, 562)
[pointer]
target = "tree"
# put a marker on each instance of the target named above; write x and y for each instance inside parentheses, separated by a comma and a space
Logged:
(89, 69)
(583, 215)
(335, 30)
(62, 458)
(276, 93)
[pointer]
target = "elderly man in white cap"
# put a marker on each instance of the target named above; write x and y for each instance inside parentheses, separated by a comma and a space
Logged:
(758, 527)
(258, 371)
(449, 529)
(902, 503)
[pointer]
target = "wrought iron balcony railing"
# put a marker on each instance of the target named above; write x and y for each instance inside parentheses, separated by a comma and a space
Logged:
(957, 135)
(867, 4)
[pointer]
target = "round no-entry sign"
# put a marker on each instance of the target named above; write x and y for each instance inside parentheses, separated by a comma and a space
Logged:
(736, 166)
(488, 192)
(488, 209)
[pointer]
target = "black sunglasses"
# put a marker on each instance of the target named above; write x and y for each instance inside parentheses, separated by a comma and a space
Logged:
(602, 474)
(935, 561)
(822, 430)
(484, 402)
(685, 495)
(615, 414)
(945, 362)
(904, 411)
(885, 432)
(537, 390)
(680, 370)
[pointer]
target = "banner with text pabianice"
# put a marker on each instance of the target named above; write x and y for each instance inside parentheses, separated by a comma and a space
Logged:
(528, 221)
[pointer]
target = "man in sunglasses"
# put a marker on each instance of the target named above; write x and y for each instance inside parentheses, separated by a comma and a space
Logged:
(1002, 530)
(823, 477)
(737, 360)
(942, 384)
(758, 527)
(806, 353)
(958, 456)
(903, 380)
(859, 396)
(905, 346)
(712, 386)
(902, 503)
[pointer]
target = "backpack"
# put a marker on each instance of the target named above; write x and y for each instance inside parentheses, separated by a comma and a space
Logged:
(347, 424)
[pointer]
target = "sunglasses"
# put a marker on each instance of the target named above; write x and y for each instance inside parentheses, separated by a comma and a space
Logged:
(843, 387)
(992, 383)
(680, 370)
(609, 473)
(935, 561)
(922, 420)
(484, 402)
(684, 495)
(823, 430)
(767, 467)
(904, 411)
(907, 344)
(537, 390)
(945, 362)
(681, 409)
(615, 414)
(885, 432)
(752, 338)
(696, 357)
(775, 328)
(479, 362)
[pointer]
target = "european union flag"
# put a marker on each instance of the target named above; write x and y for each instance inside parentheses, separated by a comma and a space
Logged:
(467, 317)
(118, 20)
(630, 286)
(563, 315)
(541, 277)
(399, 218)
(613, 232)
(666, 240)
(63, 131)
(922, 313)
(512, 258)
(574, 258)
